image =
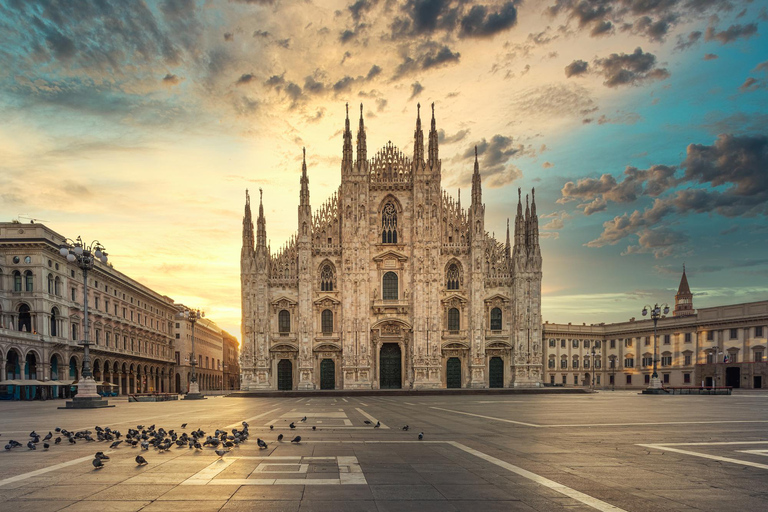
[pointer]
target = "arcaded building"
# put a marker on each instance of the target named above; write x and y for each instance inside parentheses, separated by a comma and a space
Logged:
(391, 283)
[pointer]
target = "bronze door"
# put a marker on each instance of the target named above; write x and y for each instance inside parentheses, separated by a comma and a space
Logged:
(453, 373)
(496, 373)
(284, 375)
(327, 374)
(390, 367)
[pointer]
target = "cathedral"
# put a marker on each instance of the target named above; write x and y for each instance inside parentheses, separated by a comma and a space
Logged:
(391, 283)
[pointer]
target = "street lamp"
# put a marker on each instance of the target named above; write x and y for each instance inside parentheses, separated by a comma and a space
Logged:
(656, 311)
(594, 368)
(194, 388)
(85, 256)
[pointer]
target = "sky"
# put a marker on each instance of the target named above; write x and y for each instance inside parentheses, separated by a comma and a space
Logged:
(641, 124)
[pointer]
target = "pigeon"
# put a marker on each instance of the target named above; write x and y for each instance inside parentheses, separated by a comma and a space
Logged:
(140, 460)
(115, 444)
(183, 425)
(57, 429)
(279, 438)
(97, 463)
(144, 445)
(31, 445)
(377, 425)
(8, 447)
(292, 425)
(406, 427)
(46, 446)
(48, 436)
(296, 439)
(421, 436)
(367, 422)
(245, 424)
(100, 455)
(221, 452)
(262, 444)
(314, 427)
(57, 441)
(271, 427)
(304, 419)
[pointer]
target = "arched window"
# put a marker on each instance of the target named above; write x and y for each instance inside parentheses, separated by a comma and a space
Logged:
(326, 278)
(389, 286)
(54, 322)
(452, 277)
(326, 318)
(25, 319)
(16, 281)
(453, 319)
(28, 280)
(284, 321)
(496, 319)
(57, 286)
(50, 284)
(389, 224)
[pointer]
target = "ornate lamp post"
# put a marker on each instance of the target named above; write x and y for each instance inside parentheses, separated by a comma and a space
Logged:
(194, 388)
(656, 311)
(594, 368)
(85, 256)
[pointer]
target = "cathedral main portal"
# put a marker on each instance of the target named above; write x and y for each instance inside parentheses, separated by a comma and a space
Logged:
(390, 374)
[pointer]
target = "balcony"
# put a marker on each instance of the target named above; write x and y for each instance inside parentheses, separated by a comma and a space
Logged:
(391, 307)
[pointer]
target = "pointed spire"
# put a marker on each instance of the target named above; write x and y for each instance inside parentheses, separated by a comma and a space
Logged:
(528, 243)
(459, 200)
(508, 246)
(684, 289)
(362, 151)
(261, 232)
(304, 194)
(418, 138)
(534, 225)
(346, 160)
(247, 224)
(433, 141)
(477, 191)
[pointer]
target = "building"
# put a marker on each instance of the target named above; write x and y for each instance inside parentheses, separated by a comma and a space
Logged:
(391, 283)
(231, 362)
(41, 321)
(723, 345)
(208, 349)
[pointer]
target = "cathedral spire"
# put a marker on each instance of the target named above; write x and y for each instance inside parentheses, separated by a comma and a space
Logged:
(507, 247)
(433, 141)
(459, 204)
(261, 232)
(418, 138)
(346, 159)
(477, 192)
(518, 250)
(362, 151)
(527, 224)
(247, 224)
(304, 194)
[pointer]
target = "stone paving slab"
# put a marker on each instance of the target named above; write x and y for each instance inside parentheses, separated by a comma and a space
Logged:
(480, 453)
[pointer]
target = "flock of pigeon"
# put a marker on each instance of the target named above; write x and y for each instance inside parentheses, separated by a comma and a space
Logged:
(221, 441)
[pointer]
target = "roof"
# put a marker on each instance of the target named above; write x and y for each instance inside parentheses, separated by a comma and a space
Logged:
(684, 289)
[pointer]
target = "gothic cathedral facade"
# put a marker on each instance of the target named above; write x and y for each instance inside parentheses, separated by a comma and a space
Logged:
(391, 284)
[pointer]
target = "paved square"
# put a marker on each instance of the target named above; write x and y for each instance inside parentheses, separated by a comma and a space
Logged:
(606, 451)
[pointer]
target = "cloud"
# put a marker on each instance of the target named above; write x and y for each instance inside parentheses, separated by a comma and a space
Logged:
(601, 28)
(480, 22)
(576, 68)
(245, 79)
(750, 84)
(554, 221)
(763, 66)
(442, 138)
(685, 43)
(416, 89)
(493, 158)
(171, 80)
(427, 55)
(731, 34)
(662, 242)
(629, 69)
(373, 72)
(710, 56)
(547, 165)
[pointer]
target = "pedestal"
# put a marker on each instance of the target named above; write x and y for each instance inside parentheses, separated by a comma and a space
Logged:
(87, 396)
(654, 388)
(194, 392)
